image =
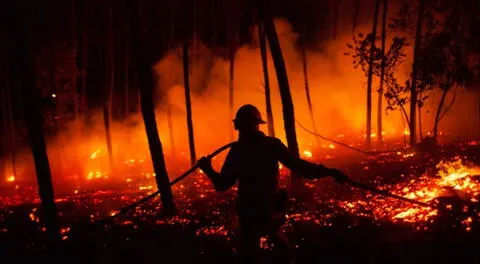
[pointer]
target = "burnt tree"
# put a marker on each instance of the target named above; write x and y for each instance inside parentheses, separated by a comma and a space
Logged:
(414, 75)
(370, 74)
(268, 100)
(382, 73)
(188, 104)
(232, 45)
(22, 56)
(143, 63)
(307, 87)
(283, 85)
(108, 89)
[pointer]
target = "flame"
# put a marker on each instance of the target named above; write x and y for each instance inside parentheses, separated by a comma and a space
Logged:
(307, 153)
(454, 174)
(11, 178)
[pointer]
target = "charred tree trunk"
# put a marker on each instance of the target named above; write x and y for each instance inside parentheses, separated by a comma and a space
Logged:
(83, 78)
(437, 115)
(75, 43)
(8, 125)
(307, 90)
(81, 59)
(420, 122)
(268, 101)
(126, 78)
(356, 6)
(382, 74)
(107, 102)
(170, 129)
(143, 63)
(414, 75)
(231, 75)
(370, 74)
(188, 104)
(22, 62)
(283, 85)
(231, 34)
(12, 139)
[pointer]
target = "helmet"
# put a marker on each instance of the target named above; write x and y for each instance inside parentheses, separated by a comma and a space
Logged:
(248, 115)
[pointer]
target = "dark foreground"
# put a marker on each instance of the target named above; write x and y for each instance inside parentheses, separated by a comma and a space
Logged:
(204, 229)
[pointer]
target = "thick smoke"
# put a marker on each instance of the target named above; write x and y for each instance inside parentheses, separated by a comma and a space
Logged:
(338, 93)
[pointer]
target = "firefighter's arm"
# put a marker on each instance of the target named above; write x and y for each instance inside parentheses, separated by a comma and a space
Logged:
(225, 179)
(305, 168)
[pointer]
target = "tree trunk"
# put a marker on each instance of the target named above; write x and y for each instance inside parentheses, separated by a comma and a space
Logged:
(356, 6)
(307, 91)
(23, 65)
(107, 102)
(9, 126)
(232, 45)
(370, 74)
(75, 43)
(382, 74)
(188, 104)
(437, 115)
(231, 88)
(126, 80)
(170, 129)
(81, 59)
(84, 60)
(283, 85)
(414, 75)
(268, 101)
(420, 123)
(143, 63)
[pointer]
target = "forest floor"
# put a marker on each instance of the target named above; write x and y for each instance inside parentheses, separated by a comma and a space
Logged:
(333, 224)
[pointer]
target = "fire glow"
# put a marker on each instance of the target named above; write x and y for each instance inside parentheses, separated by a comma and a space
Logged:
(454, 178)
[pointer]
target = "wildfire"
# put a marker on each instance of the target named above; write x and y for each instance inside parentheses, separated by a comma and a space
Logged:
(11, 178)
(454, 175)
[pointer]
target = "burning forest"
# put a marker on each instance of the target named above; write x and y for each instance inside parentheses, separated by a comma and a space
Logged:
(140, 131)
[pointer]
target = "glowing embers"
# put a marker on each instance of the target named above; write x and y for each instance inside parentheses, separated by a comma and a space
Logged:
(11, 178)
(454, 178)
(96, 175)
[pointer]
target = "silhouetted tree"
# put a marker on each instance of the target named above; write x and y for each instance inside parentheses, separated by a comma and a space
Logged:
(188, 104)
(382, 73)
(307, 86)
(370, 73)
(268, 101)
(107, 99)
(22, 56)
(285, 95)
(143, 63)
(414, 75)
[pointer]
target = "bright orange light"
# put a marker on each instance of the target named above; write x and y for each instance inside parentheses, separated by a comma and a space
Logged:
(331, 146)
(94, 154)
(307, 153)
(11, 178)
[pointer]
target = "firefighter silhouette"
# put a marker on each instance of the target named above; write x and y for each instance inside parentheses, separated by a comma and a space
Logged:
(253, 161)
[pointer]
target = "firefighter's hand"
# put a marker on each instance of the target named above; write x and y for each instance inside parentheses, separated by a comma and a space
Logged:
(205, 164)
(339, 176)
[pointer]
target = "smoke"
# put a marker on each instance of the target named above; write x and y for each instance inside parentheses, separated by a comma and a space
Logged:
(338, 94)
